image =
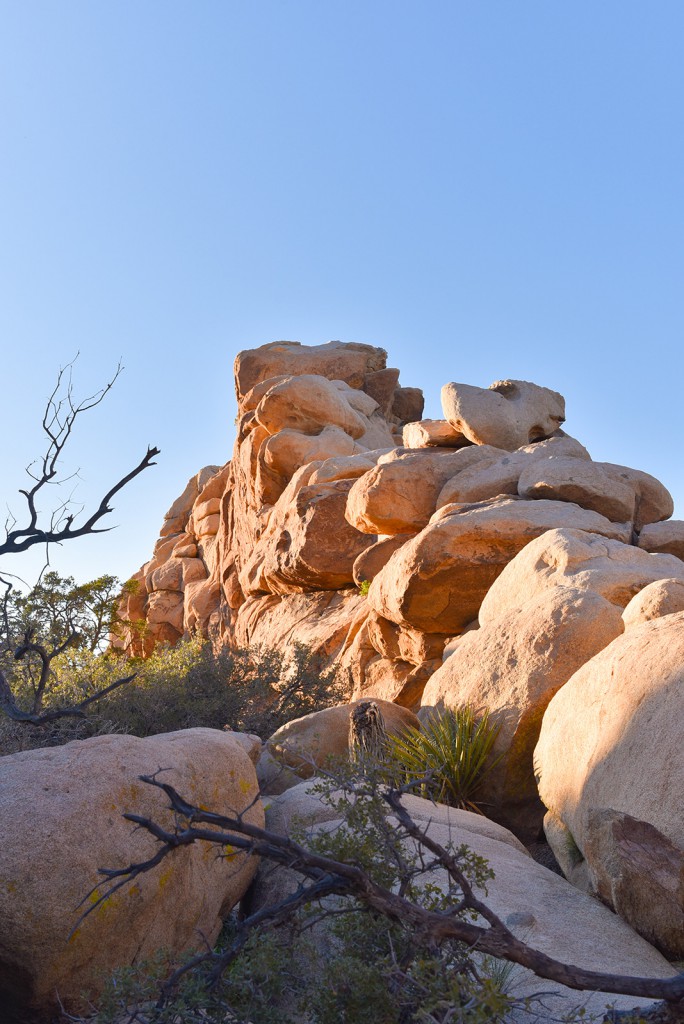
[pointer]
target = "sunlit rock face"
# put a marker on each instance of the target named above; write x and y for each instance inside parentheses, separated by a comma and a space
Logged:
(483, 559)
(269, 528)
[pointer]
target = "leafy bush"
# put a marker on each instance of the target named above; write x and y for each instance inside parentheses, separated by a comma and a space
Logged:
(452, 750)
(183, 687)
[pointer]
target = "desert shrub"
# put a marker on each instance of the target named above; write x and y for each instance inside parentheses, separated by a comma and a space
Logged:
(192, 684)
(452, 752)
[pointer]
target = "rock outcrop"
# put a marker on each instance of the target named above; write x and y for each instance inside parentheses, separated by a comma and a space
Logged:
(61, 811)
(271, 522)
(480, 559)
(335, 480)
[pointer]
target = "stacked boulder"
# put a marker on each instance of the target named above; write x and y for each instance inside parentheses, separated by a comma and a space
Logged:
(484, 559)
(259, 551)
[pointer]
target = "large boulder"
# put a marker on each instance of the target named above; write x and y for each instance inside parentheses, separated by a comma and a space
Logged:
(509, 414)
(664, 538)
(308, 544)
(511, 668)
(374, 558)
(350, 362)
(584, 561)
(500, 471)
(437, 580)
(664, 597)
(308, 404)
(617, 492)
(283, 453)
(611, 749)
(432, 434)
(400, 493)
(61, 813)
(538, 906)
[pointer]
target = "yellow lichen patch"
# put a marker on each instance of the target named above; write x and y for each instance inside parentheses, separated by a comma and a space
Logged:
(165, 878)
(245, 786)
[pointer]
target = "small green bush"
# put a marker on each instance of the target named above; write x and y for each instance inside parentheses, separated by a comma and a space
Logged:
(452, 750)
(183, 687)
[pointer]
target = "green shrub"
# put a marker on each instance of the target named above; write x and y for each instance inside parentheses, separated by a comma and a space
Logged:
(452, 750)
(183, 687)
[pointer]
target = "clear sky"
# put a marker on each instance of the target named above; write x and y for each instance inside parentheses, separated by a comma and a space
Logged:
(486, 189)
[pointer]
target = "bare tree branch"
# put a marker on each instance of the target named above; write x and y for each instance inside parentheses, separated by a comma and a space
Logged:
(329, 876)
(58, 423)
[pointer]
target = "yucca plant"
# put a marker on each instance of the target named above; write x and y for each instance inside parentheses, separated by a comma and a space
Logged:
(452, 751)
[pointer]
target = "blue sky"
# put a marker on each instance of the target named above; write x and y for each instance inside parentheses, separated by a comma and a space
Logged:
(486, 189)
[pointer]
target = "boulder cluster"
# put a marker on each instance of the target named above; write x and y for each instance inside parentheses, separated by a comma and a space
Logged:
(484, 559)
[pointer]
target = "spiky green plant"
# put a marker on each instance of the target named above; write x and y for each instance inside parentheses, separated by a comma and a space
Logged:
(452, 751)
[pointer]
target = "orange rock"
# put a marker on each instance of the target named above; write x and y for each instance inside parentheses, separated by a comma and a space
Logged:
(436, 582)
(400, 494)
(665, 538)
(349, 362)
(574, 558)
(62, 821)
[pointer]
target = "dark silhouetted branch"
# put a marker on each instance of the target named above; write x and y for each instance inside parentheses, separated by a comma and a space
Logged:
(329, 876)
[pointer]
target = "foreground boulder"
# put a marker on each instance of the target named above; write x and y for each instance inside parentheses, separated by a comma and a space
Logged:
(537, 905)
(61, 811)
(610, 767)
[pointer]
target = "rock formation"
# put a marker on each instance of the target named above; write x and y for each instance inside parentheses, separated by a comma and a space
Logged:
(482, 559)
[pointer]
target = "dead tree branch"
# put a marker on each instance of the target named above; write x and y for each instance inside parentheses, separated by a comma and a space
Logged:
(328, 876)
(58, 422)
